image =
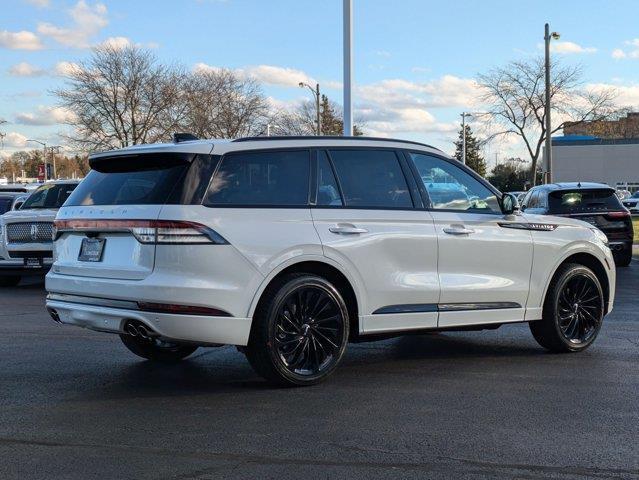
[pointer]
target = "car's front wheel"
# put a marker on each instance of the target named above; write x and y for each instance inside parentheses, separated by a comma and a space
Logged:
(300, 331)
(573, 311)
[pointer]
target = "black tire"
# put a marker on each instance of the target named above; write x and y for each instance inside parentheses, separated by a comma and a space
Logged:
(156, 350)
(573, 311)
(299, 331)
(9, 281)
(624, 258)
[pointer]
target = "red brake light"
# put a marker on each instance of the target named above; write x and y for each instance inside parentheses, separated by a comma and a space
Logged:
(623, 214)
(181, 309)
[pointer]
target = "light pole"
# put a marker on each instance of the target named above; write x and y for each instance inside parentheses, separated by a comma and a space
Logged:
(55, 148)
(44, 156)
(547, 37)
(348, 67)
(464, 115)
(316, 94)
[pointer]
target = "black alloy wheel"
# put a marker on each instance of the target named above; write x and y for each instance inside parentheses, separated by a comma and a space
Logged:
(573, 310)
(300, 331)
(579, 308)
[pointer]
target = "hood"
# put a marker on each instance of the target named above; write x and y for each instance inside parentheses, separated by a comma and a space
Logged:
(31, 214)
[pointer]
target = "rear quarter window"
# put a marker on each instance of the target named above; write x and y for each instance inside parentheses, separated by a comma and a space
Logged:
(266, 178)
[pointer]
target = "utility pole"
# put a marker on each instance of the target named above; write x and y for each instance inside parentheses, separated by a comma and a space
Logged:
(547, 37)
(348, 67)
(57, 151)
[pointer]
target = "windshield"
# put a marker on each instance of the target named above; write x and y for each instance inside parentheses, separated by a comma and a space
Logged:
(583, 201)
(5, 204)
(635, 195)
(51, 195)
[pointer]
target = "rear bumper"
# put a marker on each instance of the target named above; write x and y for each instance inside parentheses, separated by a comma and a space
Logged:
(198, 329)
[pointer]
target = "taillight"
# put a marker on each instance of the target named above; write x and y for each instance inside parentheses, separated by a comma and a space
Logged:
(623, 214)
(147, 231)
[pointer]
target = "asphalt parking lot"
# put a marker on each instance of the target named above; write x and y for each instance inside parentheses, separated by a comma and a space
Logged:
(76, 404)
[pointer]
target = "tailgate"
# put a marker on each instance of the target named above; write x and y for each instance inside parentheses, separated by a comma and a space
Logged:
(120, 255)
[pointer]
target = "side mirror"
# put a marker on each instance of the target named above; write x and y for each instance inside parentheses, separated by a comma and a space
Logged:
(509, 204)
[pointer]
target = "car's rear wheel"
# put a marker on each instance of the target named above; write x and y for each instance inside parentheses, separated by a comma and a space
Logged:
(156, 349)
(9, 281)
(573, 311)
(624, 258)
(300, 331)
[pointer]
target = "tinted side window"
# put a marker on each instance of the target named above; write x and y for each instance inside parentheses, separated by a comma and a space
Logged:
(371, 178)
(451, 188)
(261, 178)
(327, 189)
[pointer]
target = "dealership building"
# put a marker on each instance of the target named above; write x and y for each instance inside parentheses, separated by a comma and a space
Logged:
(590, 159)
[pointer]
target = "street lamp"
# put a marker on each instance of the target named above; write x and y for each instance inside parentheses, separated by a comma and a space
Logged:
(44, 156)
(316, 94)
(547, 37)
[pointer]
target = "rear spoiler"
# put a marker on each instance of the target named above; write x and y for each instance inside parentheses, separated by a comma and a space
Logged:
(133, 162)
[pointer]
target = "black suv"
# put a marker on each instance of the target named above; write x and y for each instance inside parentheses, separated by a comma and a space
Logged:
(595, 203)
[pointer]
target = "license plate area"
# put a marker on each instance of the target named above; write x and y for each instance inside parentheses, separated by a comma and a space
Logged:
(91, 249)
(33, 262)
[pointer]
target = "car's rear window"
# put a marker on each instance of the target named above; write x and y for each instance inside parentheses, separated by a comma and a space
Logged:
(49, 195)
(149, 179)
(583, 201)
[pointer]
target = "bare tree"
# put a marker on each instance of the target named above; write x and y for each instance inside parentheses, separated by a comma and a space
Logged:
(303, 119)
(221, 104)
(122, 97)
(514, 96)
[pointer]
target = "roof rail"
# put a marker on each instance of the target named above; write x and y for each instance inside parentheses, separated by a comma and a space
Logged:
(183, 137)
(329, 137)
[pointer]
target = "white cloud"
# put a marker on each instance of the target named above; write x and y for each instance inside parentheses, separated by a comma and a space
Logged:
(120, 43)
(618, 53)
(24, 69)
(45, 116)
(39, 3)
(87, 21)
(22, 40)
(627, 95)
(65, 68)
(273, 75)
(14, 140)
(570, 48)
(631, 52)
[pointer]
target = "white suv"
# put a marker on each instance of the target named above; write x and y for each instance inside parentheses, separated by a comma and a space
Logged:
(26, 241)
(291, 247)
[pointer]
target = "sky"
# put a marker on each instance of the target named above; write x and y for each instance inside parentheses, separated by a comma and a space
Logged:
(414, 61)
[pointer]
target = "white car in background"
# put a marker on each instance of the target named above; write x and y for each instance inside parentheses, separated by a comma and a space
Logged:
(632, 202)
(290, 248)
(26, 234)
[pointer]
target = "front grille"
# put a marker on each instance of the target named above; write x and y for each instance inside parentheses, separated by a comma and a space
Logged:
(38, 232)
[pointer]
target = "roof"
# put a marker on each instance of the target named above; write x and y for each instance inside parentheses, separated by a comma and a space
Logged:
(581, 140)
(573, 186)
(222, 146)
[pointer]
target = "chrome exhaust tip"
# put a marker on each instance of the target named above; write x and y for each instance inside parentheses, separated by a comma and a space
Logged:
(136, 328)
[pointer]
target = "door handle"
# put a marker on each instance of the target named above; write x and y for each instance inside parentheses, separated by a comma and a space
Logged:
(458, 230)
(347, 229)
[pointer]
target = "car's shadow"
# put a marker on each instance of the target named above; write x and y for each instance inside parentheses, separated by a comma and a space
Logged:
(211, 371)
